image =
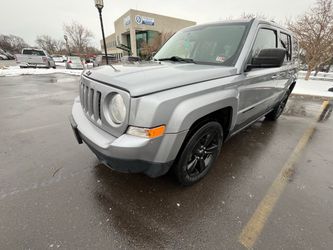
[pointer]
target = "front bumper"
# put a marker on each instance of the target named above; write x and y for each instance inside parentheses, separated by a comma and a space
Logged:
(127, 153)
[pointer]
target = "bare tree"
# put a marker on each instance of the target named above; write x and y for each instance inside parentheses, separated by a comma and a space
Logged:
(79, 37)
(314, 30)
(13, 44)
(49, 44)
(59, 46)
(148, 48)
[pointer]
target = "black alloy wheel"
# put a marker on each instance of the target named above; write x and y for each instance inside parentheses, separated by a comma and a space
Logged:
(199, 154)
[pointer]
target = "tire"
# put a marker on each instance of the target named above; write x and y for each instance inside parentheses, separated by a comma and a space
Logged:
(277, 111)
(54, 67)
(195, 161)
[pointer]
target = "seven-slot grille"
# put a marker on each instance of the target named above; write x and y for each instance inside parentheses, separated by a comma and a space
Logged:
(91, 102)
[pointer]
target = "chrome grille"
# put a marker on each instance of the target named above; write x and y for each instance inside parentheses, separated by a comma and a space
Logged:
(91, 101)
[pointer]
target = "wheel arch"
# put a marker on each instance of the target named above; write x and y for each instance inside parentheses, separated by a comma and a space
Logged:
(292, 86)
(192, 111)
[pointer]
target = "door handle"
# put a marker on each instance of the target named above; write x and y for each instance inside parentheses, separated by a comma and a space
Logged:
(275, 76)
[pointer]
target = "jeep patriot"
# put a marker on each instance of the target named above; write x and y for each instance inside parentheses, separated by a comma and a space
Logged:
(204, 85)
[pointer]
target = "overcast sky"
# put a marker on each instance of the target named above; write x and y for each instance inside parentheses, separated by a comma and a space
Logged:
(30, 18)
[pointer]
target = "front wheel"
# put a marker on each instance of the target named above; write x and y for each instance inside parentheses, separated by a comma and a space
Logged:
(199, 153)
(277, 111)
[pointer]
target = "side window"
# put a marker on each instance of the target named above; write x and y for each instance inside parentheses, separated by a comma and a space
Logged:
(295, 49)
(266, 39)
(27, 52)
(285, 42)
(38, 53)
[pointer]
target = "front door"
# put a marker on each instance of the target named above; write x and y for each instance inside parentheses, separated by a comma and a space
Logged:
(257, 91)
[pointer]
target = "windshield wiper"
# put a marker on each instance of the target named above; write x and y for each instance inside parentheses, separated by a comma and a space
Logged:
(177, 59)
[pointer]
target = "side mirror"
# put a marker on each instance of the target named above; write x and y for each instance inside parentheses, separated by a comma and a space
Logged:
(269, 58)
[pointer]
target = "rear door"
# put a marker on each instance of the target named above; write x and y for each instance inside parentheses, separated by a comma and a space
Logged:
(288, 69)
(257, 91)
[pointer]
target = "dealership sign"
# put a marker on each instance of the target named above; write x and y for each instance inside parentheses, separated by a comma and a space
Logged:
(144, 20)
(127, 20)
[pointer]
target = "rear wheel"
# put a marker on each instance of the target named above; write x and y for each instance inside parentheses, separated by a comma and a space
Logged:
(277, 111)
(199, 154)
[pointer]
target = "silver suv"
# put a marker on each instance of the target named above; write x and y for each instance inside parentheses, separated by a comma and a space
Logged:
(204, 85)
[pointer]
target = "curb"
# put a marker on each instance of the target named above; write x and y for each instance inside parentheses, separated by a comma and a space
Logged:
(311, 97)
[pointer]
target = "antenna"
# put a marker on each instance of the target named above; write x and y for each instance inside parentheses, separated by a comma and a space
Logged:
(115, 70)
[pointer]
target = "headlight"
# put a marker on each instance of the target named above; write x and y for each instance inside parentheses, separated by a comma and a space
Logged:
(117, 109)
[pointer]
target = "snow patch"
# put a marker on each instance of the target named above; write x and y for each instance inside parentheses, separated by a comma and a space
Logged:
(63, 64)
(17, 71)
(313, 88)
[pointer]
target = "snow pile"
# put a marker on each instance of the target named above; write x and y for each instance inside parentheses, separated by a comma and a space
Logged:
(320, 76)
(313, 88)
(16, 71)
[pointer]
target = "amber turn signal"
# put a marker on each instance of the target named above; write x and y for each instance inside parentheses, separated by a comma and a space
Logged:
(146, 132)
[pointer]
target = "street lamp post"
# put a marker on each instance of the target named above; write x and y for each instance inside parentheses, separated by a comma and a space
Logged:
(66, 39)
(99, 5)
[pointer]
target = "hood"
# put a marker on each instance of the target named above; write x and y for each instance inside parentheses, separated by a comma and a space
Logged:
(147, 78)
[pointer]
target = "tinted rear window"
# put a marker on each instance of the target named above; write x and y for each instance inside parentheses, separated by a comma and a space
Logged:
(33, 52)
(27, 52)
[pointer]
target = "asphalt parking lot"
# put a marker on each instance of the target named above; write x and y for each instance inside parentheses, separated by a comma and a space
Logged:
(54, 193)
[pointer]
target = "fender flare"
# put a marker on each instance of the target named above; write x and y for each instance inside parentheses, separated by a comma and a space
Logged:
(191, 110)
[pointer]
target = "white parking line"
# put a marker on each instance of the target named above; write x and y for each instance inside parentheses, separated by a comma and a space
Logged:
(257, 222)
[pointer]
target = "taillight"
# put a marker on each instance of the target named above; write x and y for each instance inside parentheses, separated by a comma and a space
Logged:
(69, 61)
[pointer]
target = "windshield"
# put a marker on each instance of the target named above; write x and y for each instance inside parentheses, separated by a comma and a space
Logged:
(209, 44)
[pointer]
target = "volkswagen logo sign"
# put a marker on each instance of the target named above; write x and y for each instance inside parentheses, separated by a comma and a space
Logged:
(138, 19)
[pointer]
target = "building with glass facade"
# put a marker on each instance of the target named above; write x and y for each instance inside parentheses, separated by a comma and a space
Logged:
(135, 29)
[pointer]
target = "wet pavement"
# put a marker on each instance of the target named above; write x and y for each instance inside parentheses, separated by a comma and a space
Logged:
(54, 194)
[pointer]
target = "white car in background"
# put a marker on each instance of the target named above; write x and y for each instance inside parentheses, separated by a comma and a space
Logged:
(59, 59)
(3, 57)
(37, 58)
(74, 62)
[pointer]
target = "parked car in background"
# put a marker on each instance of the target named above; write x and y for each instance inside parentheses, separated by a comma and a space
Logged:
(130, 59)
(177, 112)
(3, 57)
(89, 63)
(7, 54)
(101, 60)
(59, 58)
(74, 62)
(37, 58)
